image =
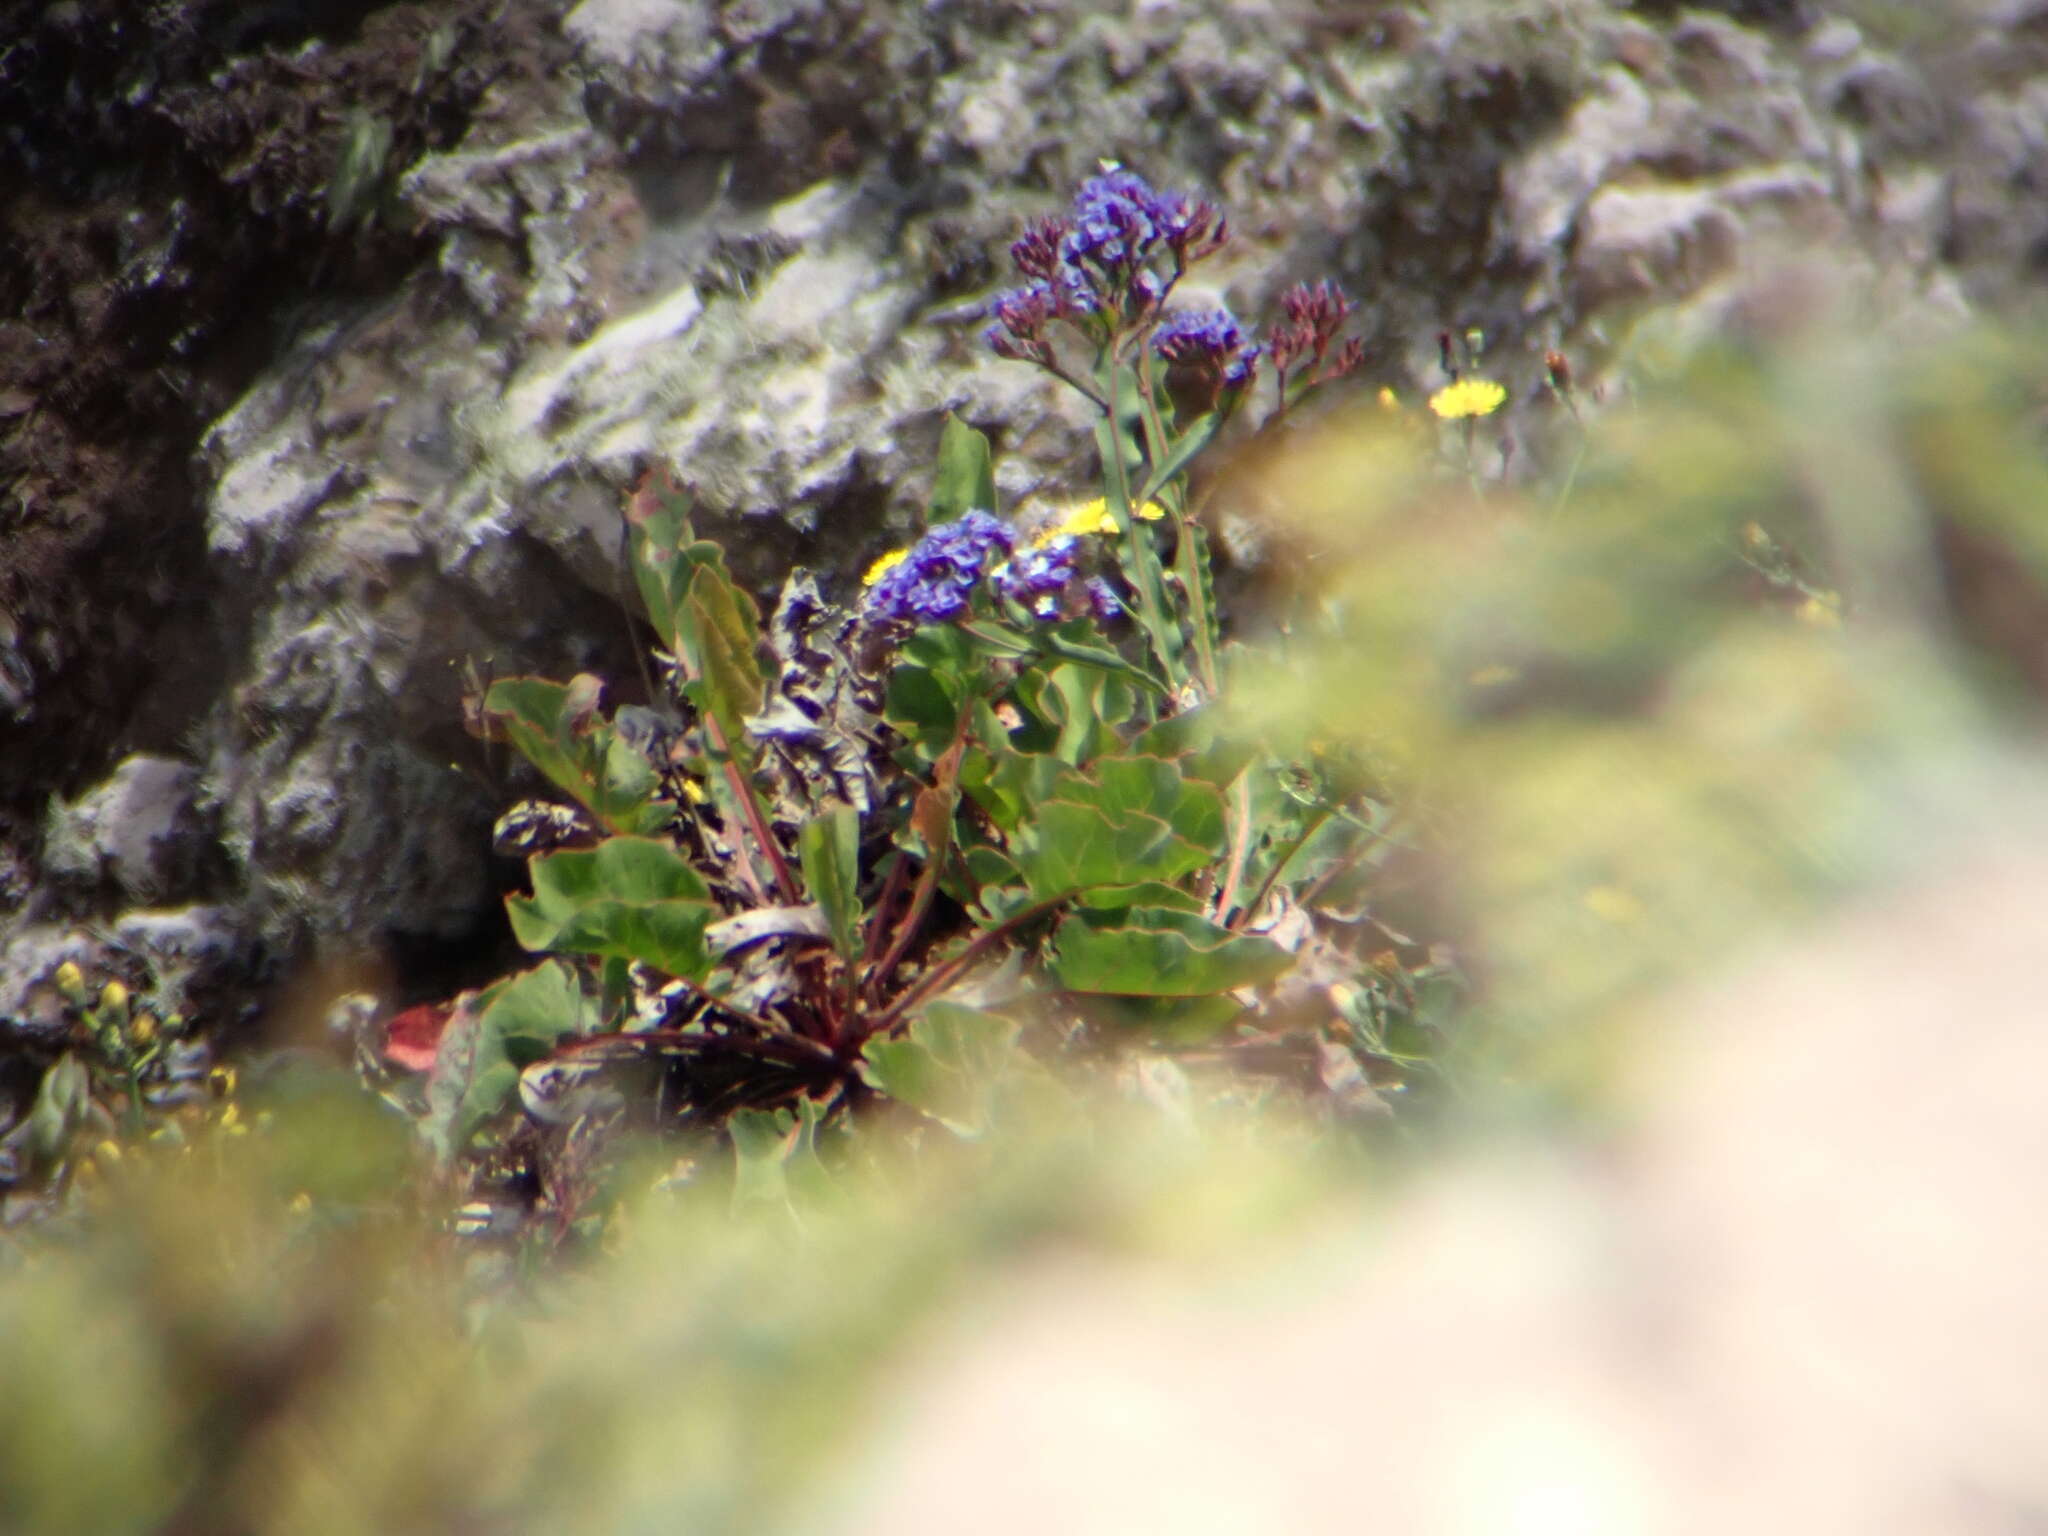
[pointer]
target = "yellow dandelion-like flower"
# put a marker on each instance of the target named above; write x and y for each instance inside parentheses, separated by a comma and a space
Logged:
(1093, 517)
(884, 566)
(1468, 397)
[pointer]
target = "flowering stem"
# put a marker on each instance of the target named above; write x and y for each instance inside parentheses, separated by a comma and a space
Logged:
(1140, 561)
(1186, 556)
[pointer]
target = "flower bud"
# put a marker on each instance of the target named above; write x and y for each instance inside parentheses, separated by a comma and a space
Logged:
(114, 1000)
(142, 1028)
(1559, 368)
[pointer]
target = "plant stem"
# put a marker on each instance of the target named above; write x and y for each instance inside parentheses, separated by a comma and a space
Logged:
(944, 975)
(1245, 913)
(1240, 843)
(1139, 559)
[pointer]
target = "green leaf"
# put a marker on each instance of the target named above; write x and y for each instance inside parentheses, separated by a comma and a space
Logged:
(721, 629)
(1182, 452)
(555, 727)
(659, 519)
(629, 898)
(1126, 820)
(1173, 1020)
(1146, 893)
(59, 1108)
(495, 1037)
(949, 1066)
(922, 708)
(965, 478)
(829, 847)
(775, 1155)
(1082, 732)
(532, 712)
(1159, 952)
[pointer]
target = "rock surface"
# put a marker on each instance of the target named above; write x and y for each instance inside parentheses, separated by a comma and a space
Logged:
(327, 409)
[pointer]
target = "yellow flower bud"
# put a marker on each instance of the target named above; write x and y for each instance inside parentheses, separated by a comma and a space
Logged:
(142, 1028)
(114, 998)
(71, 983)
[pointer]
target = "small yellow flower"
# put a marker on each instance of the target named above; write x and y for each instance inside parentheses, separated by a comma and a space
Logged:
(694, 792)
(114, 997)
(1468, 397)
(1389, 401)
(1093, 517)
(301, 1204)
(142, 1028)
(884, 566)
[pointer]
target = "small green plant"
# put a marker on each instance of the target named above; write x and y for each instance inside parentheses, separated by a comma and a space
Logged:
(866, 851)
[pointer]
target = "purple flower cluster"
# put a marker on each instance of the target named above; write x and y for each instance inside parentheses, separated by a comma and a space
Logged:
(1209, 341)
(1311, 319)
(1043, 579)
(1105, 257)
(935, 582)
(1037, 577)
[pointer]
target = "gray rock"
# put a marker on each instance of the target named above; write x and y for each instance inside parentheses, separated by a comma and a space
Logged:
(143, 831)
(173, 960)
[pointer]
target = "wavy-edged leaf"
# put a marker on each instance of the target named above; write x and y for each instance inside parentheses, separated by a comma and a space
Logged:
(949, 1066)
(1158, 952)
(1125, 820)
(629, 898)
(1146, 893)
(775, 1155)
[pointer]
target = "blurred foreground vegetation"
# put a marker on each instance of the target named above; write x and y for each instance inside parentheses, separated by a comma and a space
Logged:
(1759, 635)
